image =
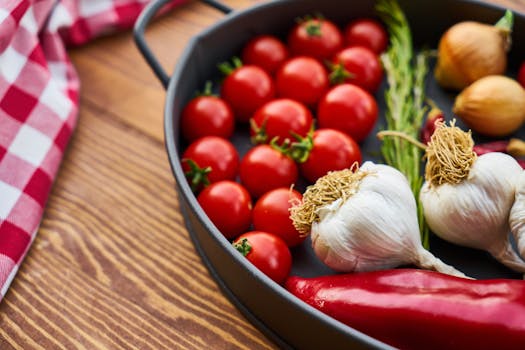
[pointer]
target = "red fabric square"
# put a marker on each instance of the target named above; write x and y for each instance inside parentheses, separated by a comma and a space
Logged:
(127, 14)
(20, 10)
(79, 33)
(38, 187)
(3, 151)
(13, 240)
(18, 103)
(38, 56)
(63, 137)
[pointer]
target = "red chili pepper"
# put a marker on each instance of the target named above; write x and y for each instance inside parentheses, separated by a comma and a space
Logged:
(514, 147)
(488, 147)
(429, 127)
(419, 309)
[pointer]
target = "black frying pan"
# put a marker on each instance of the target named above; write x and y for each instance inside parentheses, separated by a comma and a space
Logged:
(289, 322)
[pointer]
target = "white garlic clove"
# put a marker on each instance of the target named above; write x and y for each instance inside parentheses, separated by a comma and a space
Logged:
(517, 214)
(474, 213)
(375, 228)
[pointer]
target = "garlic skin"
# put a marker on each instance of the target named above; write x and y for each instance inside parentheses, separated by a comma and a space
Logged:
(468, 51)
(492, 106)
(474, 213)
(375, 228)
(517, 214)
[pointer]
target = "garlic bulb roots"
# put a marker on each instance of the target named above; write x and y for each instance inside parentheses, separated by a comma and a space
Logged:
(444, 165)
(474, 210)
(372, 225)
(492, 106)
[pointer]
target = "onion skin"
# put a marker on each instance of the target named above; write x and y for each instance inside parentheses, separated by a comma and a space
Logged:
(469, 51)
(492, 106)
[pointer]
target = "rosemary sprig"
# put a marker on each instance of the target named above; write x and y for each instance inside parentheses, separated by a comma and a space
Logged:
(405, 100)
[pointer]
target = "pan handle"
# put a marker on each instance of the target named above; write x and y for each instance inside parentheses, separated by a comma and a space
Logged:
(140, 26)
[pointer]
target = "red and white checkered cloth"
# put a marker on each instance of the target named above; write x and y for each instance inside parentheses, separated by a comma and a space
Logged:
(39, 104)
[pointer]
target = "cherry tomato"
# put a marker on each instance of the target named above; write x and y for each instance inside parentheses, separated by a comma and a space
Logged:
(264, 168)
(265, 51)
(267, 252)
(207, 115)
(247, 88)
(521, 75)
(366, 32)
(228, 205)
(208, 160)
(350, 109)
(358, 65)
(315, 37)
(280, 118)
(303, 79)
(332, 150)
(271, 213)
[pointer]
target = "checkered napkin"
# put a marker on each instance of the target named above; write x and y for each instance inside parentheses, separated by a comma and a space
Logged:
(39, 104)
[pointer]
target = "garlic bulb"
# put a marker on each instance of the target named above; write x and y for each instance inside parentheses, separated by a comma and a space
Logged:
(517, 214)
(470, 50)
(493, 105)
(467, 199)
(364, 220)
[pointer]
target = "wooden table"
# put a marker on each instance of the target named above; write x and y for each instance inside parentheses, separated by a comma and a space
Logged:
(113, 266)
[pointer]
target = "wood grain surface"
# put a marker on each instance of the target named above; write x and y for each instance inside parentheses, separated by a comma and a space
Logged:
(113, 266)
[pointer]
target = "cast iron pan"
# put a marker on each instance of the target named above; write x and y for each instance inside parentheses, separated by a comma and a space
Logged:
(286, 320)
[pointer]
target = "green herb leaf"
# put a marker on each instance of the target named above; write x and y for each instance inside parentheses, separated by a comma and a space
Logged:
(405, 100)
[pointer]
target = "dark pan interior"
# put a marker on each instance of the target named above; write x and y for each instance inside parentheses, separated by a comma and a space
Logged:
(287, 321)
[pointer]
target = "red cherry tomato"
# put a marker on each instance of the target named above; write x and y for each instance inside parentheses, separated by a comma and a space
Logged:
(246, 89)
(350, 109)
(229, 207)
(265, 51)
(266, 251)
(208, 160)
(207, 115)
(332, 150)
(360, 66)
(271, 213)
(318, 38)
(280, 118)
(366, 32)
(521, 75)
(303, 79)
(264, 168)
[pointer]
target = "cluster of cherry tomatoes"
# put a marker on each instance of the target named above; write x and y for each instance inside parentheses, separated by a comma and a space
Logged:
(309, 102)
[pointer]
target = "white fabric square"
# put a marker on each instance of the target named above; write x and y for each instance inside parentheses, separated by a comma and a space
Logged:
(29, 21)
(4, 14)
(58, 72)
(54, 98)
(93, 7)
(30, 145)
(11, 64)
(59, 18)
(8, 197)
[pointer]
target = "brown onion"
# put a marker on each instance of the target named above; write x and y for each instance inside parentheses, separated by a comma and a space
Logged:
(492, 106)
(471, 50)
